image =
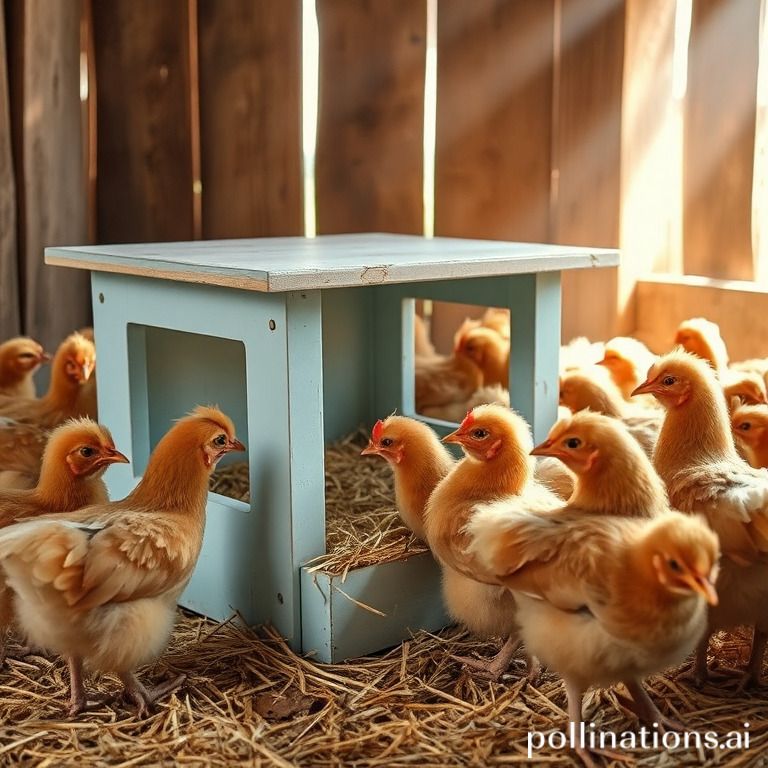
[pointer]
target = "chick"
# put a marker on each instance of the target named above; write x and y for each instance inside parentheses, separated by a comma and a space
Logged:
(455, 412)
(76, 456)
(489, 351)
(697, 459)
(746, 387)
(593, 389)
(613, 474)
(21, 450)
(440, 381)
(602, 599)
(495, 318)
(496, 443)
(749, 423)
(418, 460)
(701, 337)
(100, 585)
(19, 359)
(627, 360)
(72, 366)
(87, 399)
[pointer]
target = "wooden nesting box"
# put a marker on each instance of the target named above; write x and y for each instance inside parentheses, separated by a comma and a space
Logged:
(300, 341)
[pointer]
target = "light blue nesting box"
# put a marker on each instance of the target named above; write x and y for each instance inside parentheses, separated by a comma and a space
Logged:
(301, 340)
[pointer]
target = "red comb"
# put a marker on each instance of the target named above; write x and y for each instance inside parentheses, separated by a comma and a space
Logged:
(378, 428)
(468, 420)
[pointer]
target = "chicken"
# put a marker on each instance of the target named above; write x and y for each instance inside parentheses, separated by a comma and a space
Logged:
(627, 360)
(580, 352)
(440, 381)
(100, 585)
(19, 359)
(21, 448)
(72, 366)
(614, 475)
(496, 442)
(749, 423)
(495, 318)
(602, 599)
(593, 389)
(489, 351)
(76, 456)
(746, 387)
(419, 461)
(455, 412)
(697, 459)
(701, 337)
(86, 398)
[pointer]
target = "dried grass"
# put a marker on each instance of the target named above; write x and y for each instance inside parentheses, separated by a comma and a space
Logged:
(249, 700)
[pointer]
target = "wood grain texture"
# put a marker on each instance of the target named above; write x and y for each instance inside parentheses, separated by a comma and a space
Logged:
(719, 138)
(10, 319)
(651, 153)
(369, 156)
(588, 155)
(250, 102)
(145, 179)
(51, 192)
(494, 118)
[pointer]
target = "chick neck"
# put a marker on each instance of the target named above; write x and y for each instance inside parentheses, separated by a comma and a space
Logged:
(696, 432)
(620, 483)
(175, 479)
(506, 474)
(63, 390)
(59, 490)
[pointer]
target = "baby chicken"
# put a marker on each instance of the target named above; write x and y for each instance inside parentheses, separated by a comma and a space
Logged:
(602, 599)
(749, 423)
(100, 585)
(627, 360)
(489, 351)
(496, 443)
(701, 337)
(440, 381)
(613, 474)
(19, 359)
(76, 456)
(72, 366)
(593, 389)
(697, 459)
(21, 449)
(418, 460)
(746, 386)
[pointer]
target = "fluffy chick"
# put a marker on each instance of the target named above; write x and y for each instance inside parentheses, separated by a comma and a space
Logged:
(747, 387)
(19, 359)
(627, 360)
(489, 351)
(71, 367)
(697, 459)
(418, 460)
(602, 599)
(496, 443)
(100, 585)
(76, 456)
(701, 337)
(614, 476)
(440, 381)
(750, 428)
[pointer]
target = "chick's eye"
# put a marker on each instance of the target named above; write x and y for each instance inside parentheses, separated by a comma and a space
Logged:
(479, 434)
(745, 427)
(86, 452)
(220, 440)
(387, 441)
(668, 381)
(572, 442)
(26, 356)
(674, 565)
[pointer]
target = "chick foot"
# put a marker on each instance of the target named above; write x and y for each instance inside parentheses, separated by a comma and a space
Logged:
(698, 674)
(79, 701)
(144, 698)
(647, 712)
(494, 668)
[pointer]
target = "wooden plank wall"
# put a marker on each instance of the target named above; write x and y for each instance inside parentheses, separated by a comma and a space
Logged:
(368, 165)
(51, 187)
(719, 138)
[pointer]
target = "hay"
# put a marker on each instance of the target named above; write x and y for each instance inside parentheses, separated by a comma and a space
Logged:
(248, 700)
(362, 523)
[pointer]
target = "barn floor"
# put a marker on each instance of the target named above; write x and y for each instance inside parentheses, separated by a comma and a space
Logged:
(249, 700)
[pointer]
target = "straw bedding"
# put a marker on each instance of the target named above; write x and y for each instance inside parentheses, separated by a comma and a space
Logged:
(249, 700)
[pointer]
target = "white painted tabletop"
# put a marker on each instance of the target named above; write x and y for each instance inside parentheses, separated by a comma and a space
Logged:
(328, 261)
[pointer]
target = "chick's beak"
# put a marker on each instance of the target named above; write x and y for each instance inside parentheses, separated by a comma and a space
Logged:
(544, 449)
(454, 437)
(647, 387)
(44, 357)
(235, 445)
(703, 586)
(604, 361)
(113, 456)
(370, 449)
